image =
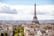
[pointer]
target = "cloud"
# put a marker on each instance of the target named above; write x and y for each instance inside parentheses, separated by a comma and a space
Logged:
(25, 12)
(4, 8)
(43, 11)
(47, 9)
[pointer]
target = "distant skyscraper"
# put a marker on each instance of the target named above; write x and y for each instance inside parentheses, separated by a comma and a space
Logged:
(35, 20)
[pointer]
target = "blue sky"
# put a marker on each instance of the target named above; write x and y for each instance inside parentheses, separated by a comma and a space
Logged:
(24, 9)
(15, 2)
(45, 2)
(28, 2)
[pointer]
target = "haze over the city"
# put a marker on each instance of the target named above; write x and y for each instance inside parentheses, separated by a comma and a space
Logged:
(24, 9)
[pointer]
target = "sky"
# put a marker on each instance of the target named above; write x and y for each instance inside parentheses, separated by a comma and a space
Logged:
(24, 9)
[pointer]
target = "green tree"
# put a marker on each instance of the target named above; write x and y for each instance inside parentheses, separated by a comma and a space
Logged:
(19, 30)
(16, 34)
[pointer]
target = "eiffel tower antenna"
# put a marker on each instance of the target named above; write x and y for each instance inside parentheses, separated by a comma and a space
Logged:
(35, 20)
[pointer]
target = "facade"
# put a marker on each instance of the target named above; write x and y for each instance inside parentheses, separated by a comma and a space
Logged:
(30, 30)
(6, 29)
(37, 30)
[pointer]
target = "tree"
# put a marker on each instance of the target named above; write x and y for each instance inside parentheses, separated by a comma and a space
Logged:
(19, 31)
(16, 34)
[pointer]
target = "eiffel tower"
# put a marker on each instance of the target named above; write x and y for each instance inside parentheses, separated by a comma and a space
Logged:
(35, 20)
